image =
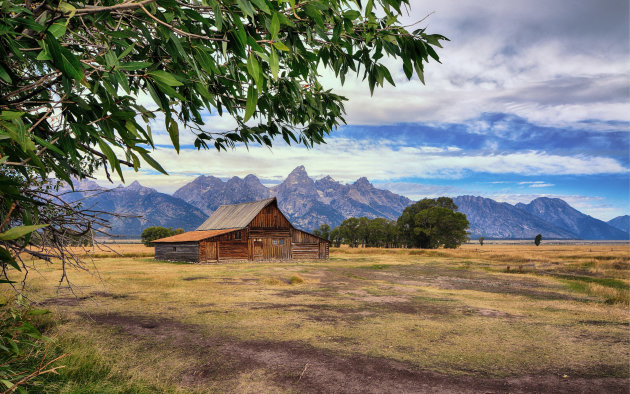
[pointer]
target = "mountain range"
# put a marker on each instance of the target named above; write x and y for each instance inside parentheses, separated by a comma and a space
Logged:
(308, 203)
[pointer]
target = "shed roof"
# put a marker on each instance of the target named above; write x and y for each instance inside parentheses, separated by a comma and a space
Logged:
(193, 236)
(234, 216)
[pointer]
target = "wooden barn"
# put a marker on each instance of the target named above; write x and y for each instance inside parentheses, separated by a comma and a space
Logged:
(253, 231)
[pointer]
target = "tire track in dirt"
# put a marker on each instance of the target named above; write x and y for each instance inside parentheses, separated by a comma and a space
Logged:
(297, 367)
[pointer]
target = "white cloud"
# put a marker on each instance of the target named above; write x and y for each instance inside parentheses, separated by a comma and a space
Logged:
(536, 184)
(346, 160)
(547, 67)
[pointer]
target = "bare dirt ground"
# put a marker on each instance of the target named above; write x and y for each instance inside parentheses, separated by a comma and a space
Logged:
(296, 367)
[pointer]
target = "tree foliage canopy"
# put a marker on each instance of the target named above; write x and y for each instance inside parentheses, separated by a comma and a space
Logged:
(81, 81)
(377, 232)
(73, 75)
(152, 233)
(431, 223)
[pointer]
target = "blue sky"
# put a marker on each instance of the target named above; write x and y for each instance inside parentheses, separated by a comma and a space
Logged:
(532, 99)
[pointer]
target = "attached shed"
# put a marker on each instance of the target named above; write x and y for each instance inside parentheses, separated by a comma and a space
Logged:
(254, 231)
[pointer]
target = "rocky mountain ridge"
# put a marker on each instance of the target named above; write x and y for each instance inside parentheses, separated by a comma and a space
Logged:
(308, 203)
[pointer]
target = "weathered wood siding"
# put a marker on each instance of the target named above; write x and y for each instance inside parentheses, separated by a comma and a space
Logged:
(270, 217)
(269, 248)
(188, 251)
(208, 251)
(324, 248)
(307, 246)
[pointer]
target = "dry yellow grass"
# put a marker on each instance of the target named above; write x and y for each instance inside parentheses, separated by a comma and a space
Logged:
(450, 311)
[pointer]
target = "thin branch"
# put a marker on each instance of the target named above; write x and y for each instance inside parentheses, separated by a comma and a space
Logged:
(118, 7)
(191, 35)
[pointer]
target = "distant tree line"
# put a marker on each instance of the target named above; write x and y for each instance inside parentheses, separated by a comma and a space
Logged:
(429, 224)
(150, 234)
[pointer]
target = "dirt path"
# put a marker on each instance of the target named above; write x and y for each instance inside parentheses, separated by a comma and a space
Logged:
(296, 367)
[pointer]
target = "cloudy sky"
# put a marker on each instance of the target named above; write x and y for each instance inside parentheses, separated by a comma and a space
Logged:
(532, 99)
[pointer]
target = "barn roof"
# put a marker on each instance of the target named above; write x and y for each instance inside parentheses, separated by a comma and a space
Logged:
(193, 236)
(235, 216)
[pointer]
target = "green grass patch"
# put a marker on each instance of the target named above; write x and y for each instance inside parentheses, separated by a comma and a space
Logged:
(608, 282)
(377, 266)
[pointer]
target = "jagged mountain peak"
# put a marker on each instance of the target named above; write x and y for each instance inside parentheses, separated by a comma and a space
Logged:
(298, 174)
(251, 177)
(136, 187)
(299, 169)
(363, 183)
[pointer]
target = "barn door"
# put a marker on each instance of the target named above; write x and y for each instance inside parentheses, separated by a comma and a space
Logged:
(208, 252)
(258, 249)
(211, 251)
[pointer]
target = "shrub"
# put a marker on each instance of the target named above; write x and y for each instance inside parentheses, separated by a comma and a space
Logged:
(296, 280)
(150, 234)
(23, 355)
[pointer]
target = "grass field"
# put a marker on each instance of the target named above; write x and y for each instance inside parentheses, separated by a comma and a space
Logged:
(367, 320)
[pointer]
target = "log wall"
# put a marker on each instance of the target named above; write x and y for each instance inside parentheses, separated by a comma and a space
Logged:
(188, 251)
(233, 250)
(307, 246)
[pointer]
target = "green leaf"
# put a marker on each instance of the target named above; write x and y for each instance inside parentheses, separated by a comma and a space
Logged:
(254, 68)
(151, 161)
(64, 60)
(10, 115)
(4, 75)
(241, 35)
(252, 101)
(368, 7)
(111, 156)
(246, 7)
(262, 5)
(19, 232)
(132, 66)
(127, 51)
(274, 27)
(165, 77)
(57, 29)
(6, 383)
(218, 17)
(173, 131)
(274, 63)
(7, 259)
(279, 45)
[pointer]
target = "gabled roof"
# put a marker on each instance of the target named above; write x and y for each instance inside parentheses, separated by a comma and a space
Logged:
(193, 236)
(235, 216)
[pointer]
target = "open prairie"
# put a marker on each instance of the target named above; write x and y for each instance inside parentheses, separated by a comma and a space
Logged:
(367, 320)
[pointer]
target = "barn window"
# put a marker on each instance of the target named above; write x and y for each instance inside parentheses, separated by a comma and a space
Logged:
(281, 242)
(275, 242)
(237, 235)
(174, 248)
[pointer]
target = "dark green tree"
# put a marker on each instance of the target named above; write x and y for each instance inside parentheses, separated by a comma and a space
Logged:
(335, 237)
(538, 239)
(150, 234)
(431, 223)
(72, 73)
(323, 231)
(481, 239)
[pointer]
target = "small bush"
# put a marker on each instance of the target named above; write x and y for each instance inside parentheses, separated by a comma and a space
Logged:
(296, 280)
(24, 356)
